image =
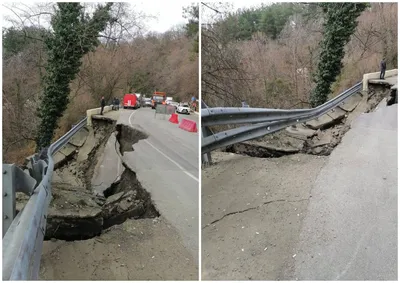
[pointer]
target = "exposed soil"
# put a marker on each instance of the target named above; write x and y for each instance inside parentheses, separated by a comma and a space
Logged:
(116, 236)
(142, 249)
(75, 212)
(127, 136)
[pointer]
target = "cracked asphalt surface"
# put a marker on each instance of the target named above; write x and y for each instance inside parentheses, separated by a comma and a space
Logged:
(252, 214)
(304, 217)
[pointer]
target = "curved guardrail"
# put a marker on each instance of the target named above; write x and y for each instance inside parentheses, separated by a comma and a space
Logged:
(267, 121)
(23, 241)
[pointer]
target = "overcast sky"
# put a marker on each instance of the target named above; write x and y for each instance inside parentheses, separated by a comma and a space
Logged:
(208, 15)
(167, 13)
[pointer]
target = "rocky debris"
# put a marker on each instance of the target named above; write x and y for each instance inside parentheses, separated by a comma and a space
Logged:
(125, 205)
(351, 103)
(87, 147)
(75, 212)
(68, 150)
(320, 123)
(58, 159)
(319, 136)
(79, 138)
(300, 132)
(327, 120)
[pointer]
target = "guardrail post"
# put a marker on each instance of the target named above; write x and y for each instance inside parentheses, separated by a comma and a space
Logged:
(206, 157)
(8, 197)
(205, 132)
(14, 180)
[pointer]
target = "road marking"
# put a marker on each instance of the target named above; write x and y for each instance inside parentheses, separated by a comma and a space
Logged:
(166, 156)
(170, 159)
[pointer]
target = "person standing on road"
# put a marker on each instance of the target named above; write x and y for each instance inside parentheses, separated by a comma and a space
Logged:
(383, 69)
(103, 103)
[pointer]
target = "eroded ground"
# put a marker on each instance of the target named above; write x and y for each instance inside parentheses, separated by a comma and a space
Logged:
(102, 223)
(256, 195)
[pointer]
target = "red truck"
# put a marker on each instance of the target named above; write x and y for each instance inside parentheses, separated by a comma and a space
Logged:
(131, 101)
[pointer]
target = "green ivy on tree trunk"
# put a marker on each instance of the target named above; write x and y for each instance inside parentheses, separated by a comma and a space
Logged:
(74, 35)
(340, 23)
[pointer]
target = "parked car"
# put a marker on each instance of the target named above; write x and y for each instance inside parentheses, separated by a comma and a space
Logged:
(183, 108)
(147, 102)
(173, 103)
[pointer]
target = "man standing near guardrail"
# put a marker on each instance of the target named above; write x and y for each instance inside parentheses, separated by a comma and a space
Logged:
(103, 103)
(383, 69)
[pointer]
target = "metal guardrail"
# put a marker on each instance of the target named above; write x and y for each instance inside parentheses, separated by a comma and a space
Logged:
(23, 241)
(267, 121)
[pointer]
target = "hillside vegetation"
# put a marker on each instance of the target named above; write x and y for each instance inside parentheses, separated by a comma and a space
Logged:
(269, 55)
(127, 59)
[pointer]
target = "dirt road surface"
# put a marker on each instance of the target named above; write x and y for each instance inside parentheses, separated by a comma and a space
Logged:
(145, 249)
(252, 211)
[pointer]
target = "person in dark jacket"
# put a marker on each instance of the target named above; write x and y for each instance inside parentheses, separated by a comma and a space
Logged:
(383, 69)
(103, 103)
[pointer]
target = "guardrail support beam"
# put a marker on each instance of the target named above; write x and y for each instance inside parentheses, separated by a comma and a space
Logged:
(14, 180)
(206, 157)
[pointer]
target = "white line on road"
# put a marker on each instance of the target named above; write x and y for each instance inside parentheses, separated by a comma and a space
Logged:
(166, 156)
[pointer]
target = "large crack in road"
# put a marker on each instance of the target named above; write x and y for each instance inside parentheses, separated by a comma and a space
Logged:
(102, 223)
(77, 212)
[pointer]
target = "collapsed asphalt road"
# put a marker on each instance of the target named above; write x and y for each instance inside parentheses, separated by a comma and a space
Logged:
(166, 163)
(93, 200)
(305, 216)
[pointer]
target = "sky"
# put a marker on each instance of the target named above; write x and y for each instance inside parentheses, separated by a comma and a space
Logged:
(208, 15)
(168, 13)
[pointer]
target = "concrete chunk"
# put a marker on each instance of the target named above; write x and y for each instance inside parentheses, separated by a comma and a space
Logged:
(320, 122)
(58, 158)
(300, 132)
(79, 138)
(351, 103)
(337, 114)
(324, 140)
(68, 149)
(114, 198)
(87, 147)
